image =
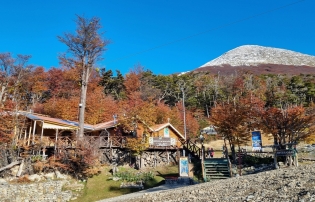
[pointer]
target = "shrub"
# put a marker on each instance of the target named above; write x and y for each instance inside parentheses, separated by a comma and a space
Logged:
(130, 176)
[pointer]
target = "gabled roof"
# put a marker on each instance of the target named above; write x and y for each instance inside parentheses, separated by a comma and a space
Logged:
(159, 127)
(105, 125)
(54, 123)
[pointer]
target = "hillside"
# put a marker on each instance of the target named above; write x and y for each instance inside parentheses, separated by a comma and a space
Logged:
(260, 60)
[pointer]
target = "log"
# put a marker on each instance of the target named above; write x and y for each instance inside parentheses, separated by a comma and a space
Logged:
(20, 169)
(10, 165)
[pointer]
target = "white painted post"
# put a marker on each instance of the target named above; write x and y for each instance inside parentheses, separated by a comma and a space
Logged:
(56, 139)
(34, 128)
(29, 136)
(41, 135)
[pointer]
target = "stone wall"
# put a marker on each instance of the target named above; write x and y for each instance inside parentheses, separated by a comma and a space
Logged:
(158, 158)
(148, 158)
(36, 192)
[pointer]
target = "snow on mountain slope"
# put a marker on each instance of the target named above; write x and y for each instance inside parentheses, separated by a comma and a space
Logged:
(253, 55)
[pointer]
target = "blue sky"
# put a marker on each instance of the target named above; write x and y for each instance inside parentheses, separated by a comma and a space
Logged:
(164, 36)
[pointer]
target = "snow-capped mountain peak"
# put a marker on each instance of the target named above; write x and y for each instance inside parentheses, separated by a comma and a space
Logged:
(253, 55)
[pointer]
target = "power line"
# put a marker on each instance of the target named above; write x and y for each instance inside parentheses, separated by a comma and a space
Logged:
(209, 30)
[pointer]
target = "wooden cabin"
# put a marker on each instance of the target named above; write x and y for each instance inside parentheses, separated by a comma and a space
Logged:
(164, 140)
(159, 136)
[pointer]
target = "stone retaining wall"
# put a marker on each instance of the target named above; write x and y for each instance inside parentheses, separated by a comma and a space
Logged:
(149, 158)
(36, 192)
(158, 158)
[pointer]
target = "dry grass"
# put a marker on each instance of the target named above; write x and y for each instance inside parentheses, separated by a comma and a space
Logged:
(217, 144)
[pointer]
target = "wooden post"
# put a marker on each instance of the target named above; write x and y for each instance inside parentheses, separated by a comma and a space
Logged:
(24, 142)
(34, 128)
(202, 166)
(275, 157)
(29, 136)
(41, 135)
(155, 159)
(296, 162)
(56, 139)
(44, 153)
(290, 160)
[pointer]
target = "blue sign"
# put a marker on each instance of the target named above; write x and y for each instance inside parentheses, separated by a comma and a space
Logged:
(183, 167)
(256, 140)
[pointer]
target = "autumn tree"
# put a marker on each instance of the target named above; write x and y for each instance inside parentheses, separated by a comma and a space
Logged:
(100, 107)
(86, 47)
(37, 85)
(12, 72)
(289, 124)
(235, 119)
(13, 97)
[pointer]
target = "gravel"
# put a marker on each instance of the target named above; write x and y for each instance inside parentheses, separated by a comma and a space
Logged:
(285, 184)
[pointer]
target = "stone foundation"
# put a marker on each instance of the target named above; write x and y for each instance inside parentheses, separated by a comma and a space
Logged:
(158, 158)
(149, 158)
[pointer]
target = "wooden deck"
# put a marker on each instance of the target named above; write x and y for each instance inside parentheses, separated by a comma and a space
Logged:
(101, 142)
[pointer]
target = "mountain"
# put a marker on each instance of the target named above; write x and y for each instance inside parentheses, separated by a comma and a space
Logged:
(261, 60)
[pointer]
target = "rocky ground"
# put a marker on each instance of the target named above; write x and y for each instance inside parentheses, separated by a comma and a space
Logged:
(285, 184)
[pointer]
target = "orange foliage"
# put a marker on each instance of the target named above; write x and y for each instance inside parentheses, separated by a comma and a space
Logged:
(63, 108)
(234, 120)
(288, 125)
(137, 145)
(99, 108)
(6, 125)
(132, 82)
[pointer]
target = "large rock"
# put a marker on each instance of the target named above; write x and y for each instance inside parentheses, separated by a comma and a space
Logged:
(34, 177)
(50, 176)
(3, 181)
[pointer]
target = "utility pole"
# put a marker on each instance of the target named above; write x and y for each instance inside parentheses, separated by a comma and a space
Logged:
(182, 88)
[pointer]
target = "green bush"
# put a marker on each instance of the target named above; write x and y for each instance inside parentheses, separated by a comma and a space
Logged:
(253, 160)
(134, 176)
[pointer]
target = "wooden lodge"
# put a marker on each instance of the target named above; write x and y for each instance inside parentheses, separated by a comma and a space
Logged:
(55, 134)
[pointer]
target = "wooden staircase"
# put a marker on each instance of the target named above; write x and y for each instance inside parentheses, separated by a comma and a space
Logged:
(192, 148)
(216, 168)
(212, 168)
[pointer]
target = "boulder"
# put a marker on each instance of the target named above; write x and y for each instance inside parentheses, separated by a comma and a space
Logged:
(50, 176)
(3, 181)
(34, 178)
(60, 176)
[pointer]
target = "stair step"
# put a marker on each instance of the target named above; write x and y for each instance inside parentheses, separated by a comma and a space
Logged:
(217, 171)
(212, 164)
(217, 178)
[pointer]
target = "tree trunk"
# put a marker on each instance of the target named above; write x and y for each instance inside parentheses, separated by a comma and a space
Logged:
(82, 103)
